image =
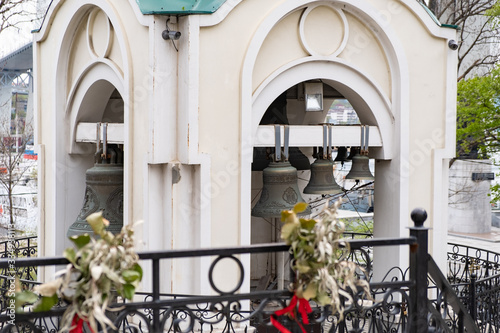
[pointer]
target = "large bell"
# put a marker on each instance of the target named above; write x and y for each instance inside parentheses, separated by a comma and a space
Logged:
(360, 169)
(322, 180)
(341, 155)
(103, 192)
(279, 192)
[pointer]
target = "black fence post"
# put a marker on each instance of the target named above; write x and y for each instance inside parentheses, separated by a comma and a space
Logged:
(472, 297)
(156, 294)
(418, 272)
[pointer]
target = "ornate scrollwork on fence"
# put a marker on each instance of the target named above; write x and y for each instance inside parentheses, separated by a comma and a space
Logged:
(234, 310)
(463, 261)
(24, 247)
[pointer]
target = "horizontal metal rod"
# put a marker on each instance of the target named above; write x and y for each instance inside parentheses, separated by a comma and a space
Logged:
(226, 251)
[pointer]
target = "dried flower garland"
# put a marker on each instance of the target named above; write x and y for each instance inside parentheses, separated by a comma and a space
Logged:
(322, 274)
(98, 270)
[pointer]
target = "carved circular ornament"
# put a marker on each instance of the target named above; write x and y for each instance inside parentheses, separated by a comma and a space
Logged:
(290, 196)
(323, 30)
(99, 34)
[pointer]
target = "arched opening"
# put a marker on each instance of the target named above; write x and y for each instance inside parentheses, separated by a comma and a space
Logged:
(93, 101)
(289, 108)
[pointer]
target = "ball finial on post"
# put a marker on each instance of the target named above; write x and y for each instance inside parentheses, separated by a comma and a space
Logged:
(418, 216)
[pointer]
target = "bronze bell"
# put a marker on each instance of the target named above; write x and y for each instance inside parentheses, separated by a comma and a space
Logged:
(341, 155)
(360, 169)
(103, 192)
(279, 192)
(353, 152)
(298, 160)
(322, 180)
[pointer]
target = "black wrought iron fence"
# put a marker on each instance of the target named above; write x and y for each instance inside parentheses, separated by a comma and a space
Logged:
(19, 247)
(465, 261)
(22, 247)
(398, 305)
(401, 299)
(237, 309)
(484, 303)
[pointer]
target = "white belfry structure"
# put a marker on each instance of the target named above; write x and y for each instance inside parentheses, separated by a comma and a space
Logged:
(190, 88)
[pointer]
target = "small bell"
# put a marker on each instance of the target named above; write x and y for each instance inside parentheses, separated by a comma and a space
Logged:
(298, 160)
(322, 180)
(360, 169)
(341, 155)
(353, 152)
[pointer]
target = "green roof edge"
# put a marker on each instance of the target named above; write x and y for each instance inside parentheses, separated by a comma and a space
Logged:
(179, 7)
(435, 19)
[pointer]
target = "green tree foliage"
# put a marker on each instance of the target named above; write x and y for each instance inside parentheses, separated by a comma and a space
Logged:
(478, 114)
(478, 119)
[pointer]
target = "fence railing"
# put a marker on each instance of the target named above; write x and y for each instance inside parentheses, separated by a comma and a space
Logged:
(484, 303)
(398, 305)
(22, 247)
(225, 310)
(465, 261)
(474, 275)
(19, 247)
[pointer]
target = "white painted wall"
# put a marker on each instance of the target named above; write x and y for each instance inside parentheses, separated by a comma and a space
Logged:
(195, 112)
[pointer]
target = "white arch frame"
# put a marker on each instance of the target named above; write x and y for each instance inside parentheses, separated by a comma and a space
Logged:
(348, 80)
(67, 110)
(252, 103)
(98, 70)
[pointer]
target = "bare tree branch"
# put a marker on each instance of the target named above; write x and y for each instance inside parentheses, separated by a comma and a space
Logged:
(16, 131)
(478, 32)
(15, 12)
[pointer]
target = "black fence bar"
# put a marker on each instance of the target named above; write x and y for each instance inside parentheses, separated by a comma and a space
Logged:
(400, 305)
(259, 248)
(157, 306)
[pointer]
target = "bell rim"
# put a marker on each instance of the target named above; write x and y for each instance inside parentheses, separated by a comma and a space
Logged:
(324, 191)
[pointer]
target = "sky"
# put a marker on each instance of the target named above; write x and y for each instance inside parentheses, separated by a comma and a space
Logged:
(14, 38)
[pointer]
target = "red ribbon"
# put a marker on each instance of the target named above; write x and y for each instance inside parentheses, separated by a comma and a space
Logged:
(304, 309)
(78, 322)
